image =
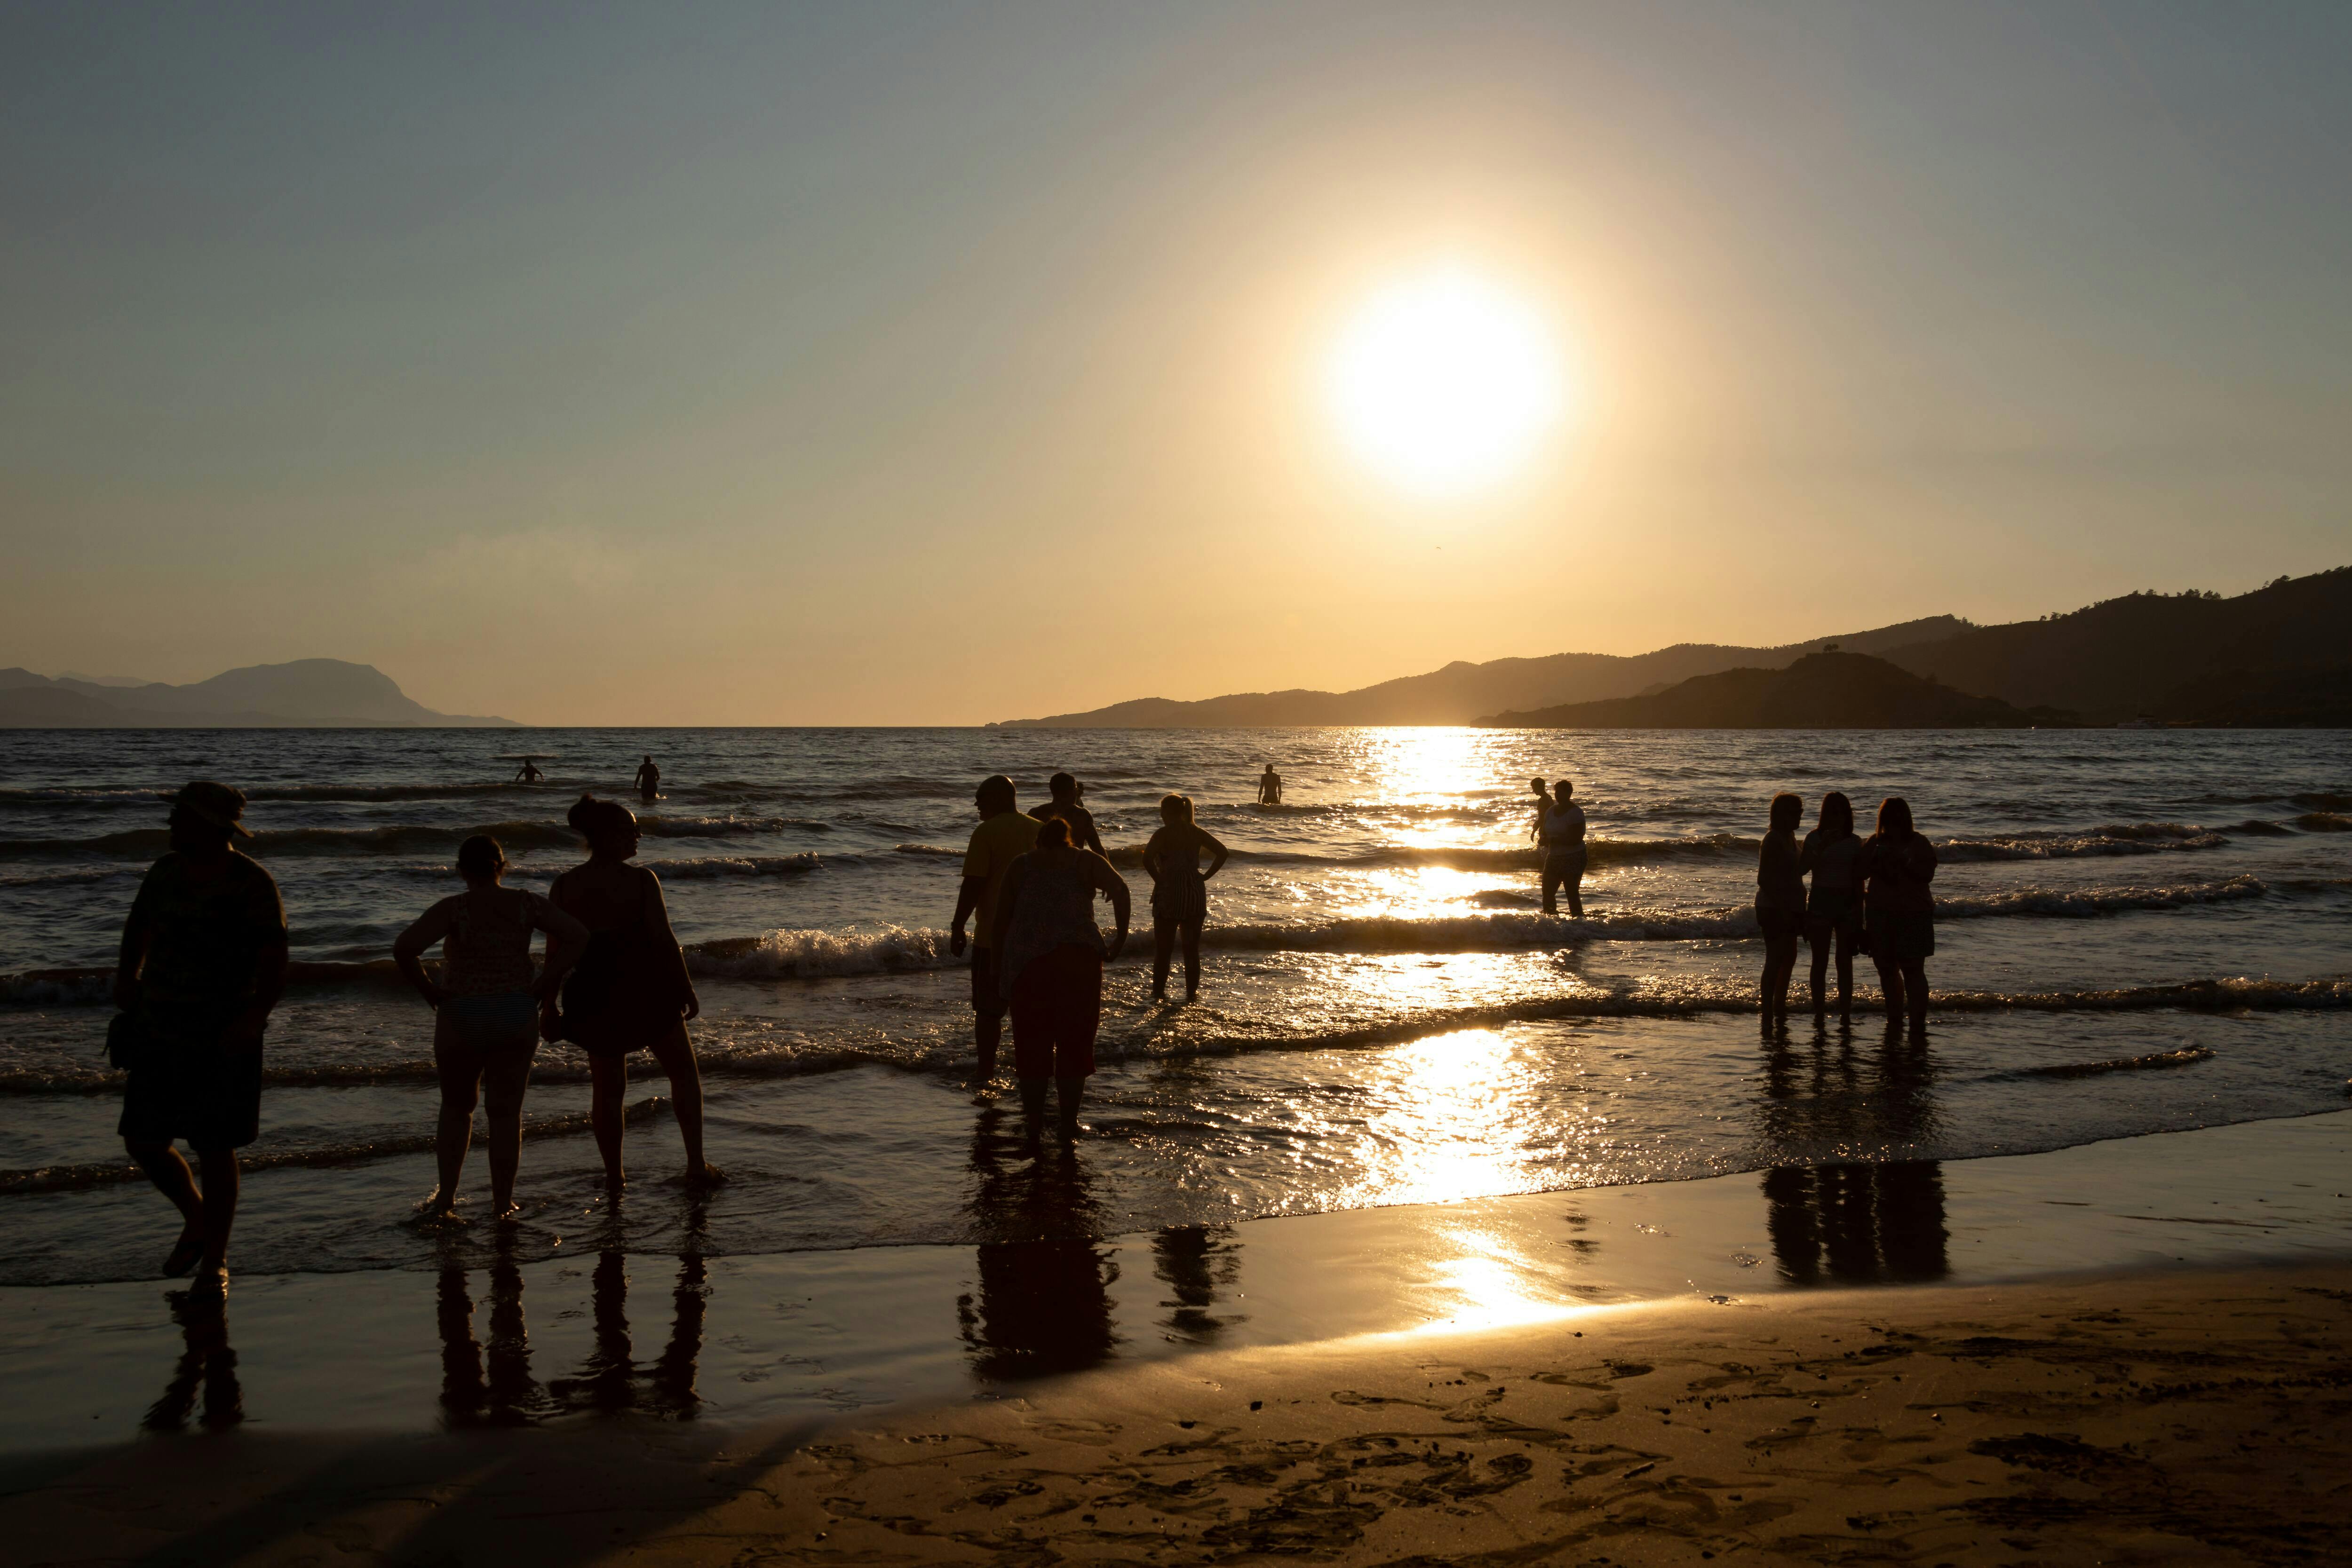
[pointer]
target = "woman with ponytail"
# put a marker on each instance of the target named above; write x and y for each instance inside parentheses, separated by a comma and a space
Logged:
(628, 990)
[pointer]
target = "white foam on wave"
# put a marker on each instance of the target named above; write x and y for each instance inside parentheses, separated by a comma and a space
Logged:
(694, 868)
(788, 955)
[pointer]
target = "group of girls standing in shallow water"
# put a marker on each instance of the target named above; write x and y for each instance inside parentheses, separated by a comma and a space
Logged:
(1867, 895)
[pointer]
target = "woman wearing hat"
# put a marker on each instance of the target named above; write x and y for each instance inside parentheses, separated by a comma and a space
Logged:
(203, 963)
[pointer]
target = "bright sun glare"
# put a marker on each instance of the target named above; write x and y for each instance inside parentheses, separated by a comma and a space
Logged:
(1445, 383)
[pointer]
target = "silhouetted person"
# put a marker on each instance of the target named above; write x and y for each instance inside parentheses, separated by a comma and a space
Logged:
(648, 781)
(1779, 907)
(1269, 786)
(203, 963)
(1004, 836)
(1831, 854)
(1542, 792)
(1896, 866)
(1049, 958)
(1066, 806)
(486, 1009)
(628, 989)
(528, 772)
(1180, 894)
(1563, 850)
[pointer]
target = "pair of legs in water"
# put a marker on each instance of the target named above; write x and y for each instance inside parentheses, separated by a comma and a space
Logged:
(1564, 870)
(1165, 935)
(206, 1217)
(1902, 977)
(500, 1072)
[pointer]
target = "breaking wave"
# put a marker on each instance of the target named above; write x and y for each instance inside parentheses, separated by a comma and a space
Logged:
(398, 838)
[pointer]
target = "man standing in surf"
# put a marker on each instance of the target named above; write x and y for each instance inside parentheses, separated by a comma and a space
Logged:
(648, 779)
(1005, 833)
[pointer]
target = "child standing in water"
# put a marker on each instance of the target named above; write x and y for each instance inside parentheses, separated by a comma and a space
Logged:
(1779, 907)
(1180, 894)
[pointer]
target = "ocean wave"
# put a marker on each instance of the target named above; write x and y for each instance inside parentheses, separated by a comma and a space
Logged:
(2186, 1056)
(2322, 801)
(397, 838)
(2112, 839)
(696, 868)
(79, 1177)
(819, 954)
(936, 851)
(2323, 822)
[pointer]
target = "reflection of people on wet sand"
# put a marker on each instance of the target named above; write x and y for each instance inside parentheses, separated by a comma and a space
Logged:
(1065, 806)
(1563, 846)
(629, 989)
(1049, 956)
(1004, 836)
(203, 963)
(610, 1379)
(486, 1008)
(529, 773)
(1895, 865)
(1779, 907)
(1193, 1261)
(1269, 786)
(1833, 903)
(1857, 1224)
(648, 779)
(1041, 1302)
(507, 1396)
(206, 1363)
(1180, 894)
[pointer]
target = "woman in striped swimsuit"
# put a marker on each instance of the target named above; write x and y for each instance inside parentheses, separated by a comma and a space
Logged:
(486, 1006)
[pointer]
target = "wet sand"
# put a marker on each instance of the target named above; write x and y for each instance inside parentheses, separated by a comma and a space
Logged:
(2138, 1351)
(2197, 1415)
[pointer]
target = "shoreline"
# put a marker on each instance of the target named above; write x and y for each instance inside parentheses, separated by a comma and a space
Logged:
(749, 1340)
(2189, 1415)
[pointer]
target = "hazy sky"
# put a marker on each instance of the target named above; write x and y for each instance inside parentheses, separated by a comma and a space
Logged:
(865, 363)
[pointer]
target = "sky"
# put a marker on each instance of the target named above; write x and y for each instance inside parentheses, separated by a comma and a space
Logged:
(935, 364)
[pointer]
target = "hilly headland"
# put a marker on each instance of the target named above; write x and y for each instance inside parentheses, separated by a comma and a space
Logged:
(2274, 657)
(325, 693)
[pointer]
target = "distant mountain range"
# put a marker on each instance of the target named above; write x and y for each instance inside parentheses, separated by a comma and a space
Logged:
(2278, 655)
(1819, 691)
(324, 693)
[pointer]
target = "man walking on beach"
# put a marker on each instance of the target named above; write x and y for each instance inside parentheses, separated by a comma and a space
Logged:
(648, 779)
(203, 963)
(1004, 836)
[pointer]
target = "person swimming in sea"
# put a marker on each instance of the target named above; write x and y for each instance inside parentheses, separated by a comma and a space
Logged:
(1564, 853)
(528, 773)
(1269, 786)
(648, 781)
(1180, 894)
(1779, 907)
(1065, 807)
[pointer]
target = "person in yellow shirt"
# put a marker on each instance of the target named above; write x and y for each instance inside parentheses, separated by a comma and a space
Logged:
(1005, 833)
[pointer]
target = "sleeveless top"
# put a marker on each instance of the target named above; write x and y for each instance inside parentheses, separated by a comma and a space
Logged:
(1563, 828)
(486, 950)
(1056, 909)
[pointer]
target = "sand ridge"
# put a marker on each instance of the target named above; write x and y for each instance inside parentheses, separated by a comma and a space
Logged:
(2197, 1416)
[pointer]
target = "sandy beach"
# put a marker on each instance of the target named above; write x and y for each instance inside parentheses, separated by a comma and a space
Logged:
(2130, 1352)
(2193, 1417)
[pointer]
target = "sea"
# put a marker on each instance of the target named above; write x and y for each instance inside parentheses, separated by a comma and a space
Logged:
(2137, 932)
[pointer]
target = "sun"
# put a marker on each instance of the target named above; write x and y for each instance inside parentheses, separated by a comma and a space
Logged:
(1445, 383)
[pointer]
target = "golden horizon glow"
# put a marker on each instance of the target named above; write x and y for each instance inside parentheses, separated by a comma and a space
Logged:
(1445, 382)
